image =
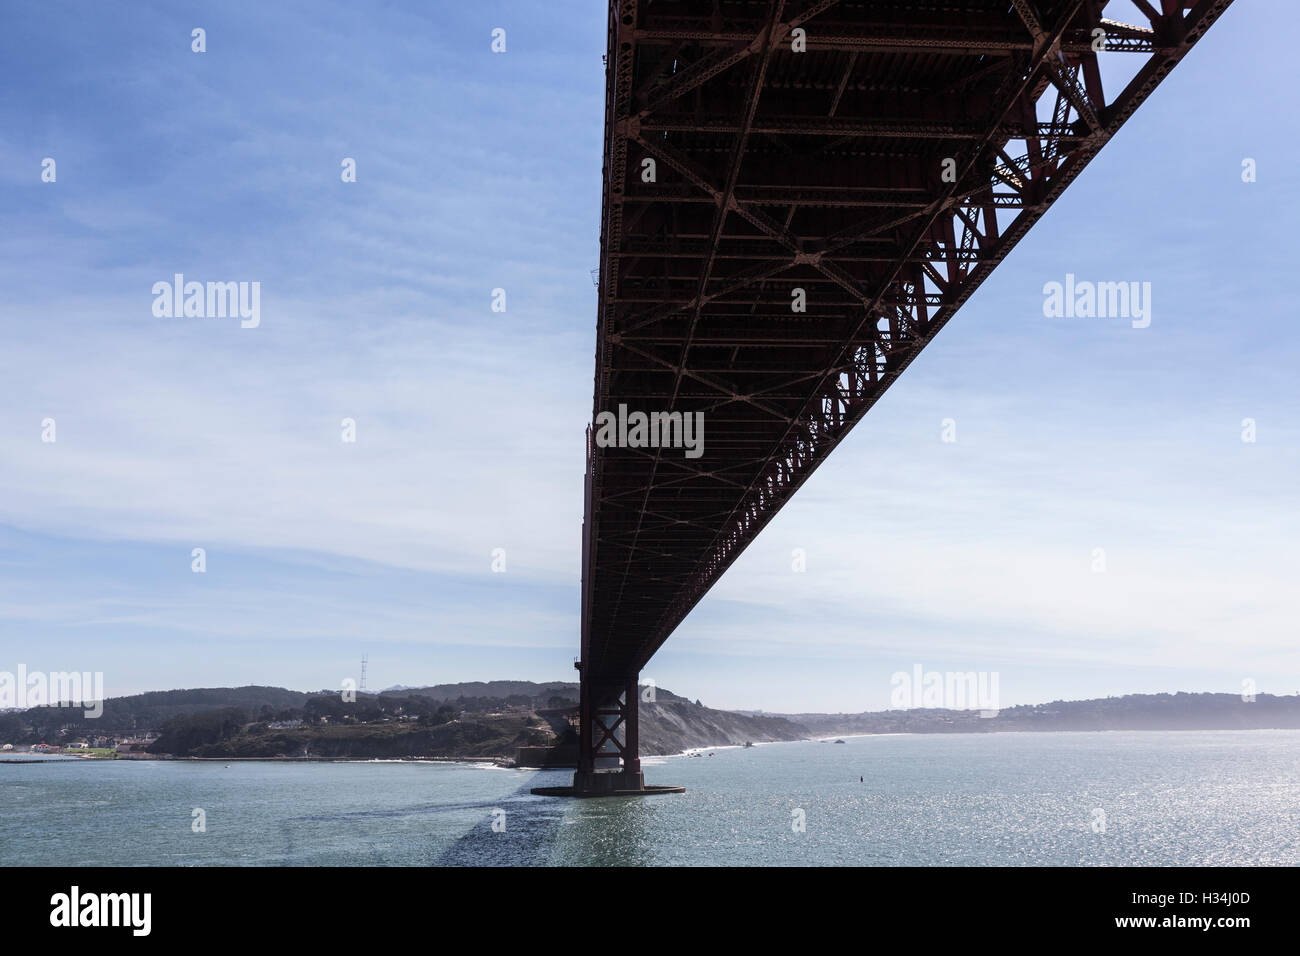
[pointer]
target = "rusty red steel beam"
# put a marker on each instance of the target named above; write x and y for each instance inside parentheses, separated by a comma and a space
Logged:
(773, 33)
(1136, 92)
(976, 40)
(688, 526)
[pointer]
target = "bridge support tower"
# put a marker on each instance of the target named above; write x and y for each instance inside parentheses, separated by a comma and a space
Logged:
(609, 756)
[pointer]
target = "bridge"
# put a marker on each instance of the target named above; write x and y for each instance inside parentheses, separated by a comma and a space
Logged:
(798, 196)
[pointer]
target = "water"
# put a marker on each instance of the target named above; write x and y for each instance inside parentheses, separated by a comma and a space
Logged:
(1003, 799)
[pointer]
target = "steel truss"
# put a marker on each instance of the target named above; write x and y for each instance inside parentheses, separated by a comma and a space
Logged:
(821, 170)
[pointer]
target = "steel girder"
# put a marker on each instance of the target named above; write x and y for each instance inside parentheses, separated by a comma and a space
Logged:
(820, 170)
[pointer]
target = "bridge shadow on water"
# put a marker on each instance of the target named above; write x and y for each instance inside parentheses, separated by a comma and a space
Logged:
(543, 831)
(532, 826)
(538, 831)
(531, 823)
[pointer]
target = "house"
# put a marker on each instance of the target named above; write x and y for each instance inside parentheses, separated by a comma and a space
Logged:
(135, 743)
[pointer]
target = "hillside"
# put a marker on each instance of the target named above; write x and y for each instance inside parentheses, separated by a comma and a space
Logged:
(142, 713)
(670, 726)
(473, 719)
(1180, 711)
(494, 688)
(497, 736)
(495, 718)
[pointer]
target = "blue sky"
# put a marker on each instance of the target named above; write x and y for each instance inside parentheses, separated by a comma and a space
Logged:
(477, 171)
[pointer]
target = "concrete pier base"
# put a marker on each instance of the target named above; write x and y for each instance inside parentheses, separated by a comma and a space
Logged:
(617, 784)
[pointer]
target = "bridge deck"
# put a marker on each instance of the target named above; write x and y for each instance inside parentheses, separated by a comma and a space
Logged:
(880, 164)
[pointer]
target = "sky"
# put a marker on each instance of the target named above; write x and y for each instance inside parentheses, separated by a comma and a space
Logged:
(478, 170)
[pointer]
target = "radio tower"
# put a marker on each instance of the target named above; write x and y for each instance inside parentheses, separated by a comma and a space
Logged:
(363, 672)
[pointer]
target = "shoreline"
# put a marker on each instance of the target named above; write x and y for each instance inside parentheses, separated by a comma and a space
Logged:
(508, 763)
(504, 762)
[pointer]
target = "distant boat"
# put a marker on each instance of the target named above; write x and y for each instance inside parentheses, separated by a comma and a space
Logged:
(749, 743)
(839, 741)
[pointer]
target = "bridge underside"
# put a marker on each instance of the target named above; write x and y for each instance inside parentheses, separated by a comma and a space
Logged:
(799, 194)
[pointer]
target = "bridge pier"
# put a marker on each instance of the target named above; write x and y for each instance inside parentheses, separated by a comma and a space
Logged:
(605, 709)
(606, 705)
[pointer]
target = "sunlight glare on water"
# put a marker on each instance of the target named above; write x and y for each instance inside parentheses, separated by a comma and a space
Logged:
(997, 799)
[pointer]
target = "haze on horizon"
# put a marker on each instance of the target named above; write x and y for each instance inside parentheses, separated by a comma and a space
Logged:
(478, 171)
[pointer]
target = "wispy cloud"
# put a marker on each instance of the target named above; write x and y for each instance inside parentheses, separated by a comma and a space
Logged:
(478, 172)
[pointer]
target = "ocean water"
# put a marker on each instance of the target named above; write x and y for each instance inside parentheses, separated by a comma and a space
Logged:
(1206, 798)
